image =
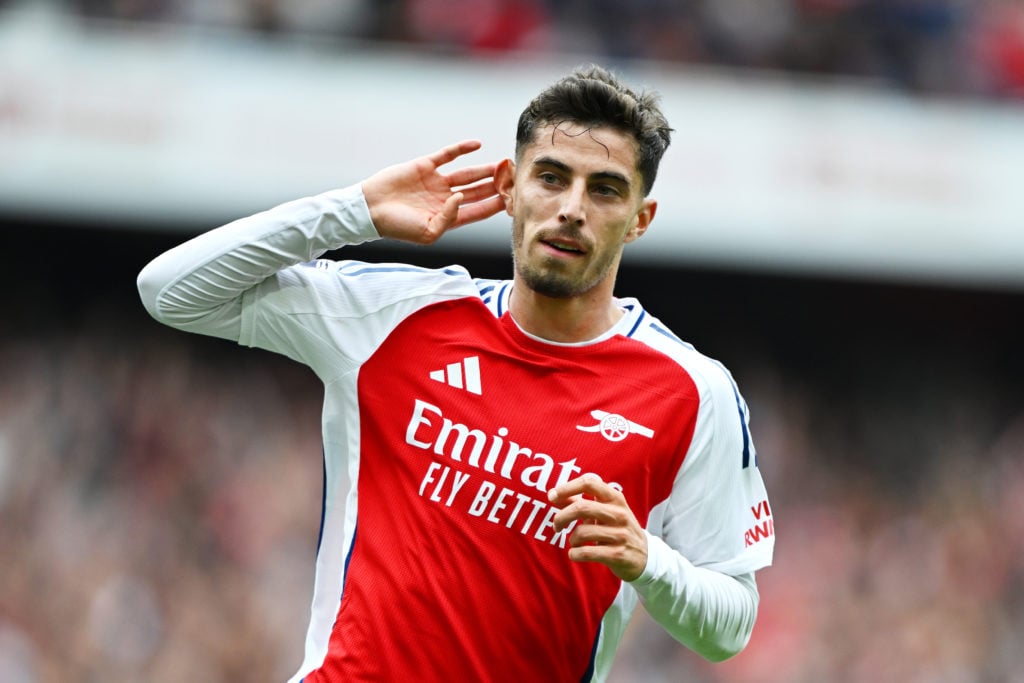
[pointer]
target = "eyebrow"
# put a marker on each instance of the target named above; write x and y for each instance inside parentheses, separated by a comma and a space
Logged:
(565, 168)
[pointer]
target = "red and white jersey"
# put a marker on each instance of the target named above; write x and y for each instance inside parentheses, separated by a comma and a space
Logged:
(444, 426)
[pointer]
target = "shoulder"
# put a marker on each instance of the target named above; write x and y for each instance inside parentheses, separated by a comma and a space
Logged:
(726, 412)
(357, 288)
(400, 280)
(363, 270)
(709, 374)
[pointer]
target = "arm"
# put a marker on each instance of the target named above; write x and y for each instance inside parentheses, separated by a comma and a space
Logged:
(695, 572)
(198, 286)
(710, 612)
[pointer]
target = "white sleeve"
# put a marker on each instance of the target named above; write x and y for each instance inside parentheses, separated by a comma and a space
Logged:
(715, 530)
(710, 612)
(198, 286)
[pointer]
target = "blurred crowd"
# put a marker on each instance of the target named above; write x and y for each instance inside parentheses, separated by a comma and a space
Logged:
(160, 494)
(159, 512)
(160, 498)
(942, 47)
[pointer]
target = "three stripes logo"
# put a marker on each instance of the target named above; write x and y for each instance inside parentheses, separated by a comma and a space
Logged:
(464, 374)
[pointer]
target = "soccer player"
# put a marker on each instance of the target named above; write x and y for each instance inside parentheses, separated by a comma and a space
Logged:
(529, 459)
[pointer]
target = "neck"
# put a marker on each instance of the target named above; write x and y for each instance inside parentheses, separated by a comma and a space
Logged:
(576, 319)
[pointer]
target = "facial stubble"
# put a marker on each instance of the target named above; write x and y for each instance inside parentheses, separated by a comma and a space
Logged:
(551, 278)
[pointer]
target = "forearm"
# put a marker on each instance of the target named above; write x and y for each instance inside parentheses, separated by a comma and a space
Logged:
(711, 613)
(198, 285)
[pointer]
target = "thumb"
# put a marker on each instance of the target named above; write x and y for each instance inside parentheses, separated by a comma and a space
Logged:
(446, 218)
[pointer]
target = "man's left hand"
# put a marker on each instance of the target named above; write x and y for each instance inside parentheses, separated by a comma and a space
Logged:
(606, 529)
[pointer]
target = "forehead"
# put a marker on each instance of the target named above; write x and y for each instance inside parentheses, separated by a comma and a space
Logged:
(598, 148)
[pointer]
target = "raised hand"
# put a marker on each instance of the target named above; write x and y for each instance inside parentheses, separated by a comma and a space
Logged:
(606, 530)
(415, 202)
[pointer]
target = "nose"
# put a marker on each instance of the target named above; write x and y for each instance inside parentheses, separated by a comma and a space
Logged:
(572, 209)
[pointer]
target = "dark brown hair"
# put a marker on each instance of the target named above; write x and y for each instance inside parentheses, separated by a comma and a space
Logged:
(592, 96)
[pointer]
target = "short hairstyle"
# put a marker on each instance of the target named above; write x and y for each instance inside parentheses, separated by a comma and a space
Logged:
(593, 96)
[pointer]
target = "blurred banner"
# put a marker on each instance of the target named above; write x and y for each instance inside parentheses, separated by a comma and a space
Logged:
(175, 128)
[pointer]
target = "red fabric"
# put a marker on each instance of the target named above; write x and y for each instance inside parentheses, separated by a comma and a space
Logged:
(443, 588)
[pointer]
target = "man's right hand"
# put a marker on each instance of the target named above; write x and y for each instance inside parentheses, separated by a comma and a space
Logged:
(415, 202)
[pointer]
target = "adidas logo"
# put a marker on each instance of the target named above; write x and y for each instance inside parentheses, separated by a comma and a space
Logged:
(462, 375)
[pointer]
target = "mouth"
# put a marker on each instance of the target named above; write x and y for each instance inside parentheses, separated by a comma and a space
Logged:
(563, 246)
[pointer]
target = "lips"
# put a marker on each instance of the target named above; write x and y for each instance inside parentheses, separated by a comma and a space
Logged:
(564, 247)
(563, 244)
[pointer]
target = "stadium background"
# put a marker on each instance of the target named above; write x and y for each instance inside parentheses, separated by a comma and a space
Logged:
(159, 492)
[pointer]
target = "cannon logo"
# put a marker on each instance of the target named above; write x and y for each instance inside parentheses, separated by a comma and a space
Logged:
(615, 427)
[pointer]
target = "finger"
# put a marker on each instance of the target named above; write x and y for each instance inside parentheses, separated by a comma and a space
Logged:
(452, 152)
(444, 219)
(478, 211)
(596, 544)
(590, 484)
(596, 534)
(590, 553)
(471, 174)
(588, 512)
(612, 556)
(481, 190)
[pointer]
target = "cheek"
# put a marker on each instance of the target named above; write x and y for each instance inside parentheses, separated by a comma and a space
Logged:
(524, 210)
(532, 200)
(517, 233)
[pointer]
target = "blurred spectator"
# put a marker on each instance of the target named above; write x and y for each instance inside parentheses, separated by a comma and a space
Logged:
(946, 47)
(916, 44)
(748, 32)
(129, 10)
(143, 536)
(477, 25)
(1000, 46)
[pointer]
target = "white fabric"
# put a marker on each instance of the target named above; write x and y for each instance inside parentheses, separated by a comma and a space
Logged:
(244, 282)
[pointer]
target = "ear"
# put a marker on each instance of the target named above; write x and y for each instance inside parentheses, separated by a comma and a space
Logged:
(504, 181)
(644, 216)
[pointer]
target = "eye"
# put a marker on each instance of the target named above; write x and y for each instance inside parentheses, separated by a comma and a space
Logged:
(548, 177)
(607, 190)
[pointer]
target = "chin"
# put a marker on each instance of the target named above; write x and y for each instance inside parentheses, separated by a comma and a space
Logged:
(553, 285)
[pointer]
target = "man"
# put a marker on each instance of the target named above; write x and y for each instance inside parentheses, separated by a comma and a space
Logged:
(528, 458)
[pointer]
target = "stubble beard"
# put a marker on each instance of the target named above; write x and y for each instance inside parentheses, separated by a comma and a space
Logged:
(553, 281)
(548, 283)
